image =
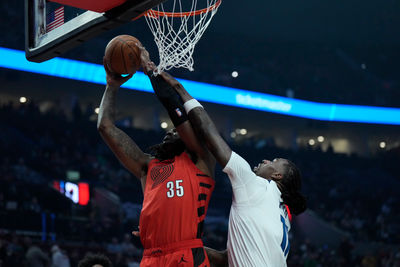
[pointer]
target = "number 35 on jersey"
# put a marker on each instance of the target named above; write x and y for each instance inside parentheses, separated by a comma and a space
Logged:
(175, 189)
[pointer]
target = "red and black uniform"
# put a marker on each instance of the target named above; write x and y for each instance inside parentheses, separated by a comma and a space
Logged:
(175, 204)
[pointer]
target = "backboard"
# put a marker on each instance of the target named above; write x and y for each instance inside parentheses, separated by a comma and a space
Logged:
(54, 27)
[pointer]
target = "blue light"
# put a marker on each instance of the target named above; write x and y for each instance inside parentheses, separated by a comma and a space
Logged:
(94, 73)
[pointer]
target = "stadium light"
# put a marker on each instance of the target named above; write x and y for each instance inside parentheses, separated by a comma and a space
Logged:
(164, 125)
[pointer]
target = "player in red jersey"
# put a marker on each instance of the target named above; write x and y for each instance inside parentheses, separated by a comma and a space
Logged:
(176, 181)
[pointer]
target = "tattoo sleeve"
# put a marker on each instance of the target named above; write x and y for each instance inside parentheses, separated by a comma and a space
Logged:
(125, 149)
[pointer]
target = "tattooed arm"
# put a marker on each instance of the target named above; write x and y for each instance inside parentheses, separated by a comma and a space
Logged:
(124, 148)
(163, 86)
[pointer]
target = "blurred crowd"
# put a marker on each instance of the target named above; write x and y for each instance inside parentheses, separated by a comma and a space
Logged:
(359, 196)
(317, 72)
(323, 72)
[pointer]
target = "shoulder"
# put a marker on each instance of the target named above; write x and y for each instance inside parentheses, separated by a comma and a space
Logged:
(273, 189)
(238, 164)
(238, 170)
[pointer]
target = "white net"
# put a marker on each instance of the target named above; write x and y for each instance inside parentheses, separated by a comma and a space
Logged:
(177, 28)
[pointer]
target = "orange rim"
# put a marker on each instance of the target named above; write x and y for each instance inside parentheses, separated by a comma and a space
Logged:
(151, 13)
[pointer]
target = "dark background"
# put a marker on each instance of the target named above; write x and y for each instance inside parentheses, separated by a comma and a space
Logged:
(343, 52)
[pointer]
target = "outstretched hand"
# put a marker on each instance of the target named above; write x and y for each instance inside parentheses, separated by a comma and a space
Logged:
(147, 65)
(114, 79)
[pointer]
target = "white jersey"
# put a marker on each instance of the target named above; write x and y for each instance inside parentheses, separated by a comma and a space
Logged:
(258, 220)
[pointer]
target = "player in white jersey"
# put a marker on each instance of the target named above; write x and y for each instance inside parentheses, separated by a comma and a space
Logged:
(259, 219)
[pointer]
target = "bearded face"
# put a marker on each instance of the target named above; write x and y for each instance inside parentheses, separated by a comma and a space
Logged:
(171, 146)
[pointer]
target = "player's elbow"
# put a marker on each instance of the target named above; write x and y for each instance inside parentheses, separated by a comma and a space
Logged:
(202, 122)
(103, 125)
(209, 131)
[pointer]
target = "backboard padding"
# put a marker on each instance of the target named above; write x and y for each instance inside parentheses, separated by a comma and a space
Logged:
(41, 46)
(96, 6)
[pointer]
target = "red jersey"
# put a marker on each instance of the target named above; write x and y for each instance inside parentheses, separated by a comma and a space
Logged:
(176, 199)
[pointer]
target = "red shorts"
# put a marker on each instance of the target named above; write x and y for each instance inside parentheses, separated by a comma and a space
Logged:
(183, 254)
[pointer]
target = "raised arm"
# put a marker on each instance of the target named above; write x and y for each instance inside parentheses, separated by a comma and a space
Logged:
(184, 129)
(124, 148)
(205, 128)
(164, 87)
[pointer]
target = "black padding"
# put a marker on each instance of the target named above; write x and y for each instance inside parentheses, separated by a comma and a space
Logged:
(202, 197)
(200, 227)
(198, 256)
(170, 99)
(205, 185)
(201, 211)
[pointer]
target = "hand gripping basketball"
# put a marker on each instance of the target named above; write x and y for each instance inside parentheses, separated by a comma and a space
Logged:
(114, 79)
(148, 66)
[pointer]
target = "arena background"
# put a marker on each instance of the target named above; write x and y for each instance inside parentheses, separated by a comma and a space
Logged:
(329, 52)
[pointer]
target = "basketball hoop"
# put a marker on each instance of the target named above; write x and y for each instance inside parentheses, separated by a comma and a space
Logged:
(177, 29)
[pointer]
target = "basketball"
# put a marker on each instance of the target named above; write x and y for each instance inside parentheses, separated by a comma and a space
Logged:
(122, 54)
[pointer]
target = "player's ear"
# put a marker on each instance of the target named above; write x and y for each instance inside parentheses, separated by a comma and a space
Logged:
(276, 176)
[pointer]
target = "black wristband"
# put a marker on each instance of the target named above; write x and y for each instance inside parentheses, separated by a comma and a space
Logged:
(170, 99)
